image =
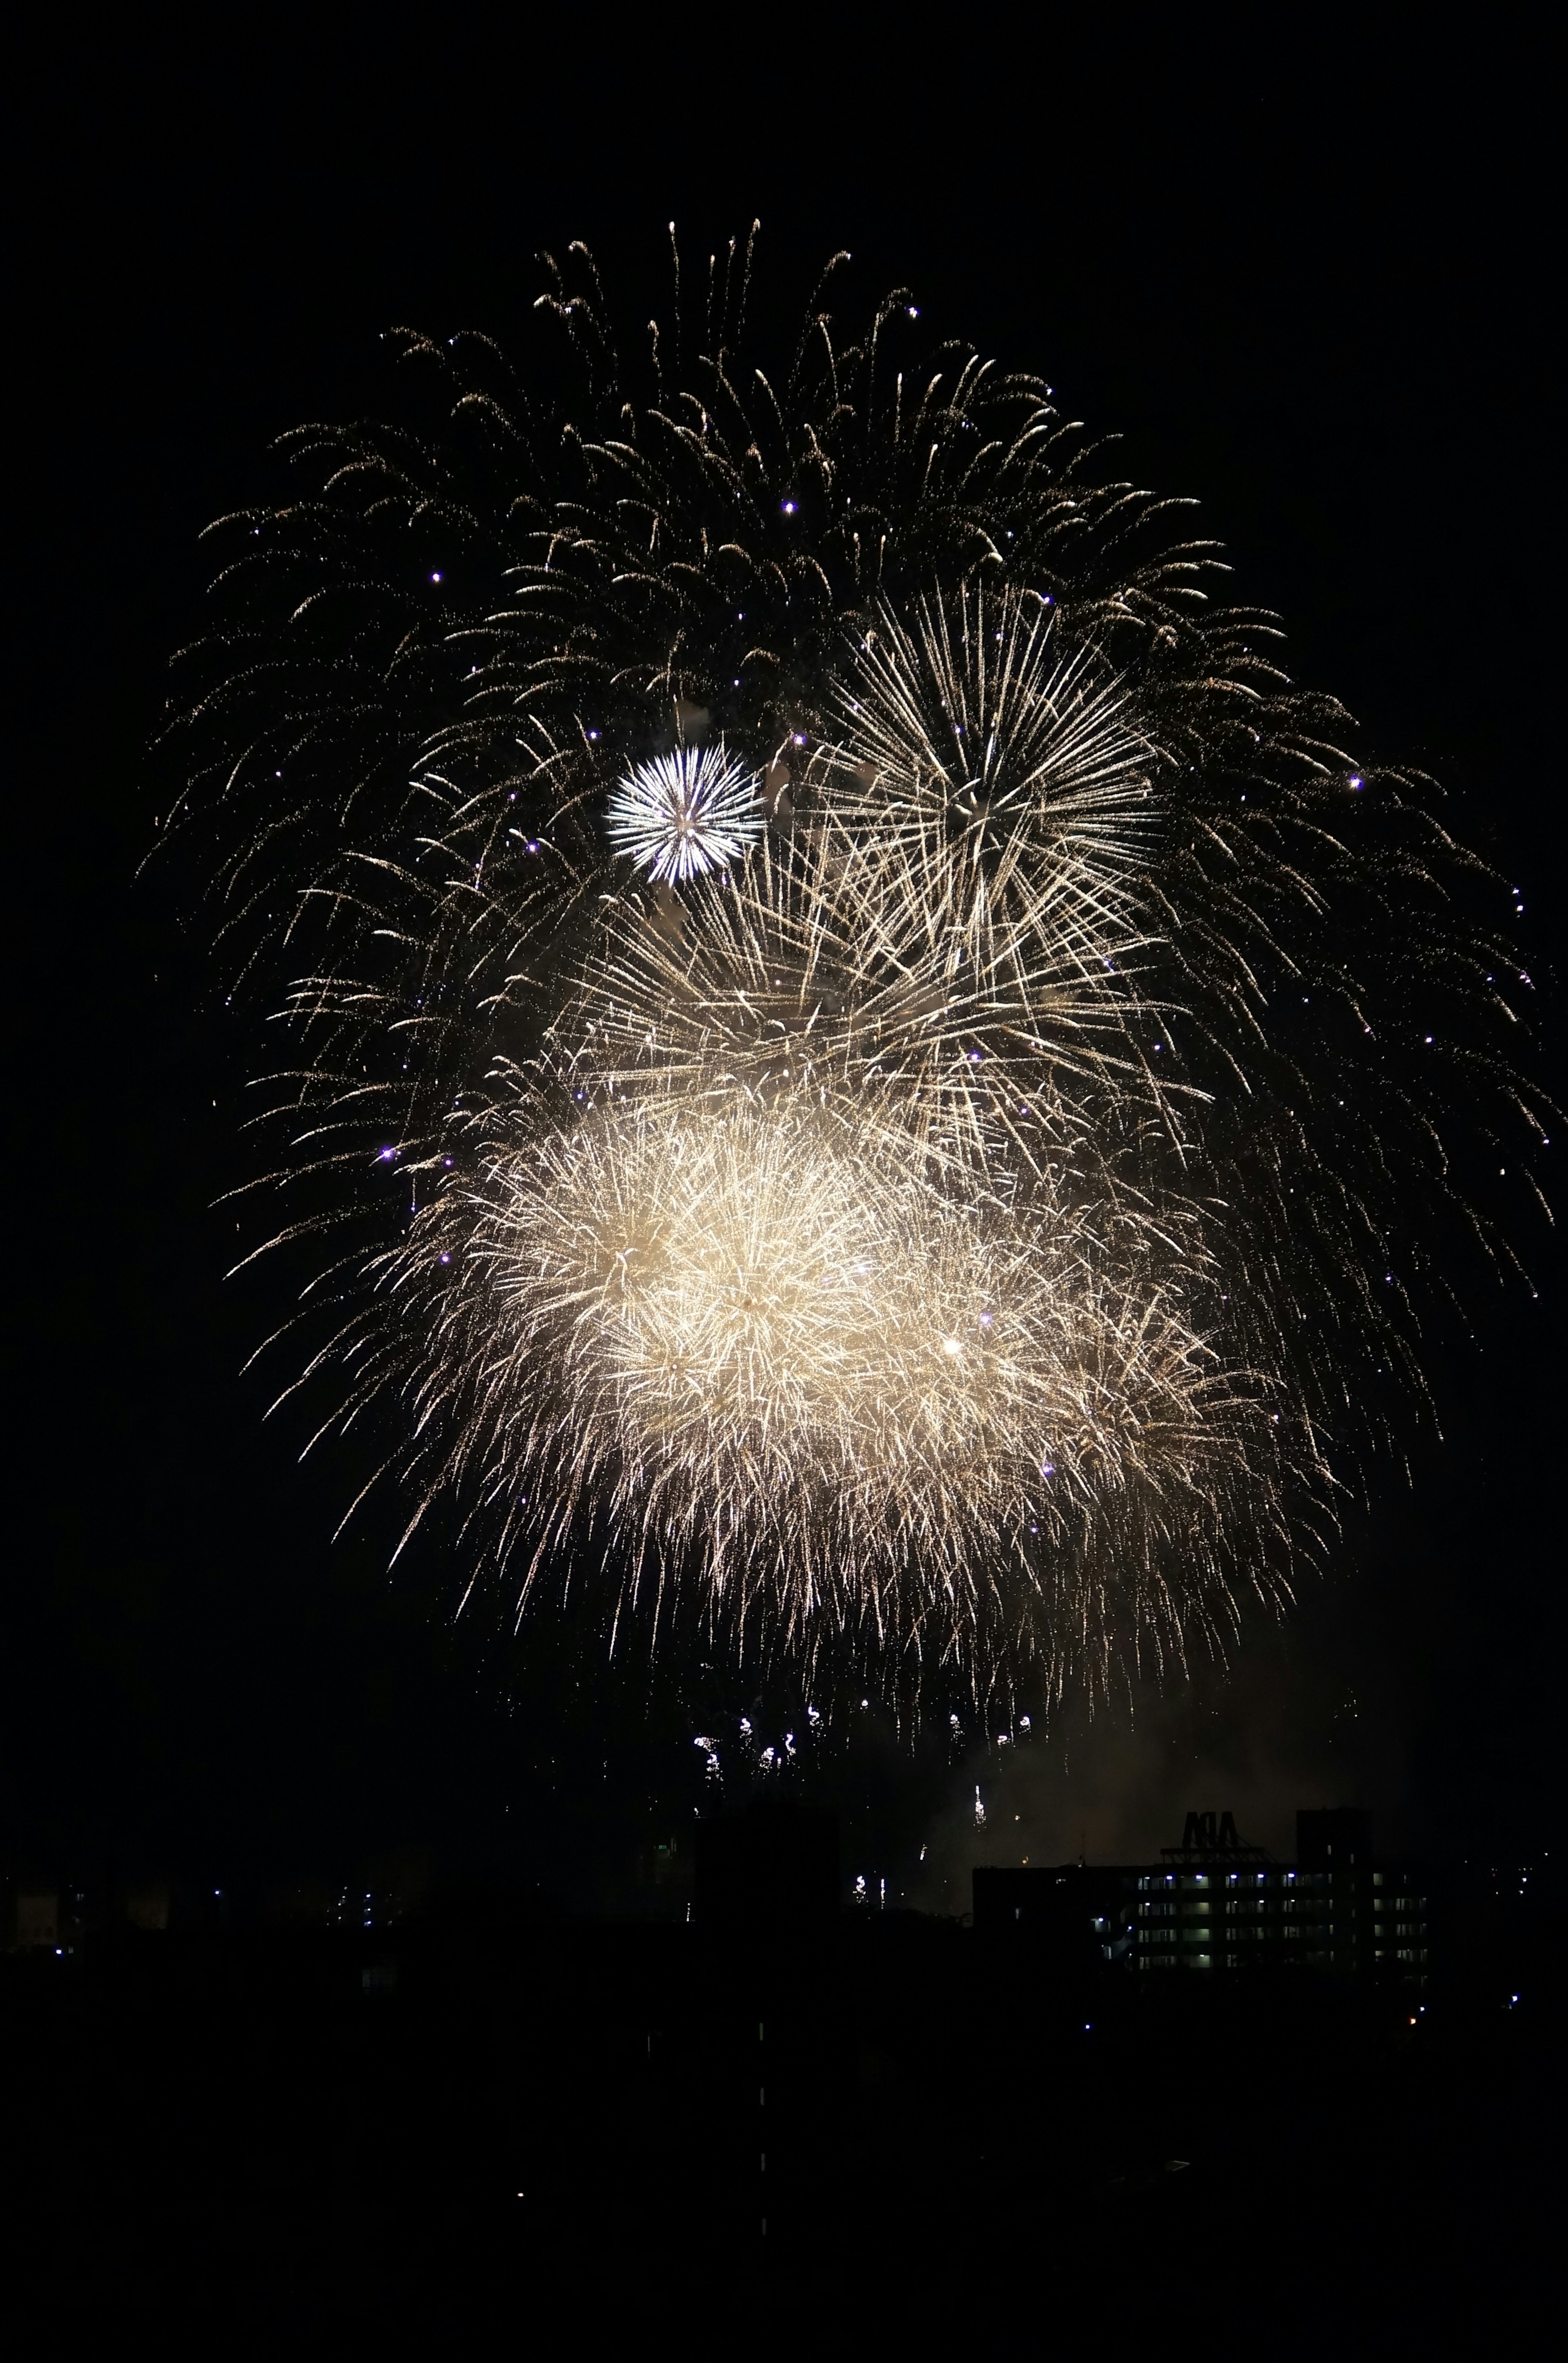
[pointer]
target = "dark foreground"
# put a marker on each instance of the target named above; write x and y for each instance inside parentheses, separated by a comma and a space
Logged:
(462, 2128)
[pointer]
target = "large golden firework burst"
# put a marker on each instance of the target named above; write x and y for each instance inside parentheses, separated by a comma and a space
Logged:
(862, 1069)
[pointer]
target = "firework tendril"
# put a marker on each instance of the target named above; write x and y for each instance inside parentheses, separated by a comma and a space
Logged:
(847, 1055)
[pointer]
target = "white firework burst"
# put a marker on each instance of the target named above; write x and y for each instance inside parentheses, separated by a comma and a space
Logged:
(681, 814)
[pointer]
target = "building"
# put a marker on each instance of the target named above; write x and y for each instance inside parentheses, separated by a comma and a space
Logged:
(1078, 1915)
(37, 1920)
(778, 1862)
(1214, 1903)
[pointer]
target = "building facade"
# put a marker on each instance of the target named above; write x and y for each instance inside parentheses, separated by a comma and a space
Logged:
(1215, 1903)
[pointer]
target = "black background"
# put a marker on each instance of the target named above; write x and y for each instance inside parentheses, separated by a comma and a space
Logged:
(1305, 271)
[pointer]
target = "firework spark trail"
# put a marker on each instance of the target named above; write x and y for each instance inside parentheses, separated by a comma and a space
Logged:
(821, 977)
(804, 968)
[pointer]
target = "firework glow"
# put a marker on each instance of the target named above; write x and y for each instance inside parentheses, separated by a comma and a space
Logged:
(850, 1066)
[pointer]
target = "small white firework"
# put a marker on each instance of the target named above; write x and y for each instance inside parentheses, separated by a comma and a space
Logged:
(686, 812)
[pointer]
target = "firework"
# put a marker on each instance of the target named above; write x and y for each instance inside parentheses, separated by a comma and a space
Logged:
(950, 939)
(757, 1346)
(858, 1061)
(682, 815)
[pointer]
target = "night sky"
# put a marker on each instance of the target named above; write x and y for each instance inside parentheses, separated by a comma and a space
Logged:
(1312, 286)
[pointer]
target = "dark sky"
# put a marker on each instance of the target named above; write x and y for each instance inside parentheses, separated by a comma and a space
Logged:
(1307, 275)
